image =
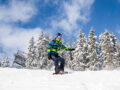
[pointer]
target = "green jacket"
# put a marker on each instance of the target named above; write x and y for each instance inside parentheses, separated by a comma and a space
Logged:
(54, 47)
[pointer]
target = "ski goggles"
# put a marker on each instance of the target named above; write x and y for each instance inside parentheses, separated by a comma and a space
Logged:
(59, 37)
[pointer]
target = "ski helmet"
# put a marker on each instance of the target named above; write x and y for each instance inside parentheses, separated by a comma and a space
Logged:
(59, 35)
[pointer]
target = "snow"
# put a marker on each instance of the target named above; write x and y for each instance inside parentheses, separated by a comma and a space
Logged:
(24, 79)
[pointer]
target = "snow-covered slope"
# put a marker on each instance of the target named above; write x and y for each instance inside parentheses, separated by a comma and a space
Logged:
(23, 79)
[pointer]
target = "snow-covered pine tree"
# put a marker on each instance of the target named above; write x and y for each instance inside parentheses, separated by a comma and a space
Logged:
(72, 54)
(5, 62)
(41, 51)
(93, 63)
(49, 62)
(31, 61)
(118, 53)
(80, 54)
(73, 44)
(63, 40)
(68, 55)
(107, 44)
(62, 52)
(0, 64)
(48, 38)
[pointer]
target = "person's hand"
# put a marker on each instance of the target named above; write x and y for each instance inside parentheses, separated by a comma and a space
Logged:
(71, 49)
(49, 56)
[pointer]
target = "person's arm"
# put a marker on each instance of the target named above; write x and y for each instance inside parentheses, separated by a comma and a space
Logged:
(64, 47)
(50, 47)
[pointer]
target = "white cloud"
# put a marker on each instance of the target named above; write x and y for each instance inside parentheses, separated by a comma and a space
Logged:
(17, 10)
(14, 38)
(72, 13)
(55, 2)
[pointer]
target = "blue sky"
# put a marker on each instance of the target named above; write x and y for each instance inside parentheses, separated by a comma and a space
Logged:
(106, 15)
(22, 19)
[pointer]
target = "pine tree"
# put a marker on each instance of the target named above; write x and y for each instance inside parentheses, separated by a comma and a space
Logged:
(68, 55)
(0, 64)
(73, 44)
(80, 54)
(93, 63)
(118, 53)
(62, 52)
(72, 55)
(41, 51)
(48, 38)
(49, 62)
(107, 44)
(31, 61)
(5, 62)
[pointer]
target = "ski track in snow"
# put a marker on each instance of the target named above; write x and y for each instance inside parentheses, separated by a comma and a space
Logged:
(23, 79)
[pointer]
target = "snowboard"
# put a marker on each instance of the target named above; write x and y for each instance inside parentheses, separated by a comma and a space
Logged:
(60, 73)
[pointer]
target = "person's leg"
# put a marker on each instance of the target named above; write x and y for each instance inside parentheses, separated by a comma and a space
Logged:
(62, 63)
(56, 63)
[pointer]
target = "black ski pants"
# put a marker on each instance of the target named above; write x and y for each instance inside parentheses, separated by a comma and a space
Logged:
(59, 62)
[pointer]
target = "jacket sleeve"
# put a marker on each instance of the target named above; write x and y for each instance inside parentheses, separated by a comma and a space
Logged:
(64, 47)
(50, 47)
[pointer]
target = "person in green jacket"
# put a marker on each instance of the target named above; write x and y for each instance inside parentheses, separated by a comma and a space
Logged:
(53, 50)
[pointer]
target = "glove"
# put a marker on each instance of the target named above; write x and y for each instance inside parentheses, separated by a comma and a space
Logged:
(49, 56)
(56, 55)
(71, 49)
